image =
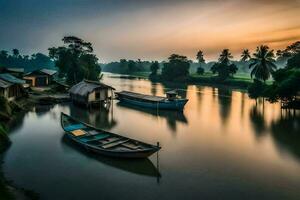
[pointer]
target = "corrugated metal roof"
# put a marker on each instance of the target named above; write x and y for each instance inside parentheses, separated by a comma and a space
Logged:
(48, 71)
(10, 78)
(4, 84)
(19, 70)
(85, 87)
(42, 71)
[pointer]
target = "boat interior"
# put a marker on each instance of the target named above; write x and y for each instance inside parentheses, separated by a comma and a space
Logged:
(101, 139)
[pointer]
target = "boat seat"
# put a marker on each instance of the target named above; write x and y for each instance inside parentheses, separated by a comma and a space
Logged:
(78, 133)
(113, 144)
(74, 127)
(131, 146)
(95, 137)
(93, 132)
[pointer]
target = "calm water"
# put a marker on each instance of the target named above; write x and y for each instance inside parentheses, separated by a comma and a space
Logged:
(223, 146)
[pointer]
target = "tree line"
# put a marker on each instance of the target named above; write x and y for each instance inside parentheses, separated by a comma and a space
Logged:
(29, 63)
(286, 81)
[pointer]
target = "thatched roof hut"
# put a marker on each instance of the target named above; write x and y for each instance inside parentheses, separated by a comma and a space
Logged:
(90, 92)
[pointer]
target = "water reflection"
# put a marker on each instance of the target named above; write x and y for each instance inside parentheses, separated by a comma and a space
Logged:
(99, 117)
(286, 133)
(171, 116)
(258, 120)
(137, 166)
(224, 98)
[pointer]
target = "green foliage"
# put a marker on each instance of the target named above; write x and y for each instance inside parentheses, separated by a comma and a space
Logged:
(75, 60)
(262, 63)
(224, 67)
(294, 62)
(127, 66)
(200, 70)
(200, 57)
(35, 62)
(177, 68)
(256, 89)
(286, 85)
(154, 67)
(245, 55)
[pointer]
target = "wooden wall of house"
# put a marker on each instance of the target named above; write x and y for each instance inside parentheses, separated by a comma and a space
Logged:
(12, 92)
(98, 95)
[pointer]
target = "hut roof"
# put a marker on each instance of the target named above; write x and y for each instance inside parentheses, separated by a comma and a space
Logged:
(42, 71)
(11, 79)
(85, 87)
(49, 71)
(4, 84)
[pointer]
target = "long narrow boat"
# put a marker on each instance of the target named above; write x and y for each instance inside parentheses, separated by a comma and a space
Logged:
(103, 142)
(171, 101)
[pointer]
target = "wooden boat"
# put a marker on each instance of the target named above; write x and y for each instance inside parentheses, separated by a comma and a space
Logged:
(103, 142)
(171, 101)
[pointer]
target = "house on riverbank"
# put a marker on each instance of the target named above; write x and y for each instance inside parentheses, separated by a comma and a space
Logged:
(17, 72)
(90, 93)
(11, 87)
(40, 78)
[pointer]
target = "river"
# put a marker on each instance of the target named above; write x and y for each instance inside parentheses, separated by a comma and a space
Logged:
(222, 146)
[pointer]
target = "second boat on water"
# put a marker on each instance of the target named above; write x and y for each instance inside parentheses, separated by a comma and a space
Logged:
(171, 101)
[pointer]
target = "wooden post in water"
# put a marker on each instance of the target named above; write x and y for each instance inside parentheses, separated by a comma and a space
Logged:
(157, 164)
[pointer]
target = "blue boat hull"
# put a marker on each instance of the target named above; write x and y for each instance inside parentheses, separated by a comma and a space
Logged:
(177, 104)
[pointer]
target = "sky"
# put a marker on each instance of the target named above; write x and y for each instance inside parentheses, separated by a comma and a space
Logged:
(150, 30)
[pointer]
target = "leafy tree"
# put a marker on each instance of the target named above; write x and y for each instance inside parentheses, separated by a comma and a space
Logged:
(177, 68)
(245, 55)
(286, 85)
(200, 70)
(16, 53)
(256, 89)
(224, 67)
(200, 58)
(75, 60)
(154, 68)
(262, 63)
(132, 66)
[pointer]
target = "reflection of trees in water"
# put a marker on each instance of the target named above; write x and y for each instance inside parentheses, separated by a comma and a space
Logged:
(224, 97)
(258, 120)
(171, 116)
(286, 133)
(137, 166)
(100, 117)
(181, 88)
(17, 123)
(153, 88)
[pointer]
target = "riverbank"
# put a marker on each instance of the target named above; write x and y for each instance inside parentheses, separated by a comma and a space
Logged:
(239, 81)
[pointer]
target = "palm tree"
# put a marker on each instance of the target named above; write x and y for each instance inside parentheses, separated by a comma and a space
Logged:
(262, 63)
(200, 58)
(245, 55)
(224, 67)
(225, 57)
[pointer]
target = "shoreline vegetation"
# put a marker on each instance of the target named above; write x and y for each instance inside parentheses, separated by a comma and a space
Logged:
(264, 74)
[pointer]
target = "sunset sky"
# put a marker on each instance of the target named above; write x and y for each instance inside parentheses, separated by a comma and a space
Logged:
(150, 30)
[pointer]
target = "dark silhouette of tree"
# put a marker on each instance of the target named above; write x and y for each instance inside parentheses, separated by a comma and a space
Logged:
(154, 67)
(224, 67)
(262, 63)
(16, 53)
(75, 60)
(201, 60)
(245, 55)
(177, 68)
(37, 61)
